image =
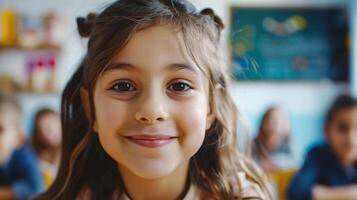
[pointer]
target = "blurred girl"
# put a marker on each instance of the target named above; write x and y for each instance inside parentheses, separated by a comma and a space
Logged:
(272, 146)
(46, 142)
(330, 170)
(20, 177)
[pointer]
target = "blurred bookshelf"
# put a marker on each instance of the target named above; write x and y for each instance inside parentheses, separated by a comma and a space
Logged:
(30, 48)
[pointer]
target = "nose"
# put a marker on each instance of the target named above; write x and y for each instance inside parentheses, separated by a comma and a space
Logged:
(152, 109)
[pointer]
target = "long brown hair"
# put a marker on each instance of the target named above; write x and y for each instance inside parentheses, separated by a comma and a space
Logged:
(37, 142)
(214, 168)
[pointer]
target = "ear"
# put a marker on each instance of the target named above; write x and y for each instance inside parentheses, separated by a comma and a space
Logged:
(86, 106)
(210, 119)
(211, 116)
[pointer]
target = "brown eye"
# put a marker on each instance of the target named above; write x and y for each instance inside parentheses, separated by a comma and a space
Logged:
(180, 87)
(342, 128)
(123, 86)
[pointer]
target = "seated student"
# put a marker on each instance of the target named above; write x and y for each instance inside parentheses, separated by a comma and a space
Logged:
(19, 175)
(46, 142)
(330, 170)
(272, 145)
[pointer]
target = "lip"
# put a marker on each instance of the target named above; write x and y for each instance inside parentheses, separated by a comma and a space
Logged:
(151, 141)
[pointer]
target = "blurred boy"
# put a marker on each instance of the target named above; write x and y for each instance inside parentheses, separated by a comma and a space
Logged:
(330, 170)
(19, 174)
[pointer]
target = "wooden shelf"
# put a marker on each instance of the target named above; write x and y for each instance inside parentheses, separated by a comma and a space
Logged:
(39, 47)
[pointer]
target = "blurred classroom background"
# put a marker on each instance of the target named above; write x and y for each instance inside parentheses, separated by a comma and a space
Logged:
(296, 54)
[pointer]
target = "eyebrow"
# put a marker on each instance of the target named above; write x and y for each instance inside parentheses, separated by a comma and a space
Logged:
(131, 67)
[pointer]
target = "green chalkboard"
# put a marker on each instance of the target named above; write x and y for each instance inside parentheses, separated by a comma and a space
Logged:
(289, 43)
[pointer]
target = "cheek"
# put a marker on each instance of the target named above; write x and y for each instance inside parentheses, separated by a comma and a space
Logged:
(339, 142)
(109, 113)
(191, 123)
(111, 116)
(354, 140)
(8, 141)
(335, 139)
(4, 143)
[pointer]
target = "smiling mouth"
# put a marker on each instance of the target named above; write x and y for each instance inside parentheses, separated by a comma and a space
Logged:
(151, 141)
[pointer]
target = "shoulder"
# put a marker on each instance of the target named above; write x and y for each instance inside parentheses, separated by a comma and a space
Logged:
(24, 152)
(249, 188)
(22, 157)
(318, 151)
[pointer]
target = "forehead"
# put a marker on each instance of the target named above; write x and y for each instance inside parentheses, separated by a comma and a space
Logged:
(156, 46)
(348, 114)
(49, 116)
(167, 37)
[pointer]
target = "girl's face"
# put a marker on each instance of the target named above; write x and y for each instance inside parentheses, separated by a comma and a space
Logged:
(151, 105)
(276, 128)
(10, 136)
(50, 129)
(342, 134)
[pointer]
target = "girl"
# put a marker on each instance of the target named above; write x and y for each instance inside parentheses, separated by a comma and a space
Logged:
(330, 170)
(46, 141)
(272, 146)
(148, 114)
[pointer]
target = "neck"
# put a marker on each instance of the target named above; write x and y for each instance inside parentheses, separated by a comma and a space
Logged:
(172, 186)
(264, 145)
(50, 156)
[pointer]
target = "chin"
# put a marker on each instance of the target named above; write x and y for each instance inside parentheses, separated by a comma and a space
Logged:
(153, 169)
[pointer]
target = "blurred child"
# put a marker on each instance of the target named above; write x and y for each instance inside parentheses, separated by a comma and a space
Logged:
(330, 170)
(272, 145)
(19, 175)
(149, 114)
(46, 141)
